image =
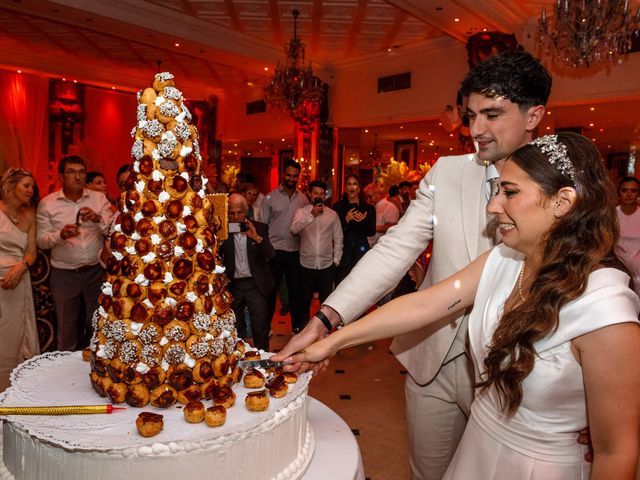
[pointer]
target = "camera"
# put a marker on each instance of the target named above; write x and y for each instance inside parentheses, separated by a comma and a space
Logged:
(317, 202)
(237, 227)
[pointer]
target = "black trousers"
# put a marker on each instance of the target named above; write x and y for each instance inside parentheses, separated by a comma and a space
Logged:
(287, 264)
(75, 296)
(245, 292)
(320, 281)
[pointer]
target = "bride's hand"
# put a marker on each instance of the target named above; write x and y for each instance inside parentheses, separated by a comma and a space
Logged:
(315, 353)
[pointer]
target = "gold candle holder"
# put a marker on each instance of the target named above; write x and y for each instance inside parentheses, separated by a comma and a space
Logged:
(60, 410)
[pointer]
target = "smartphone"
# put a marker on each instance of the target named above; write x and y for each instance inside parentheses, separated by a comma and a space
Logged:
(237, 227)
(318, 202)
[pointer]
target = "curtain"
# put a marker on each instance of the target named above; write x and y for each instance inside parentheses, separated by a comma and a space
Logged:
(110, 116)
(24, 125)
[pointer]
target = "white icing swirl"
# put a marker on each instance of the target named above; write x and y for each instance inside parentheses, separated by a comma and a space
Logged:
(142, 280)
(142, 368)
(185, 151)
(219, 269)
(136, 327)
(163, 197)
(135, 236)
(178, 251)
(155, 238)
(163, 341)
(102, 312)
(157, 175)
(181, 227)
(186, 211)
(117, 255)
(159, 100)
(165, 367)
(189, 361)
(107, 289)
(138, 216)
(147, 303)
(140, 186)
(185, 175)
(192, 297)
(117, 228)
(136, 166)
(168, 278)
(200, 246)
(170, 301)
(149, 257)
(130, 250)
(158, 220)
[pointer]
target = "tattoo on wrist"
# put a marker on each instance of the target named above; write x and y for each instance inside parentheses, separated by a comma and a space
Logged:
(454, 304)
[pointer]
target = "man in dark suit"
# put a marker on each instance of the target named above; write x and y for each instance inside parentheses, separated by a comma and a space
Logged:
(245, 255)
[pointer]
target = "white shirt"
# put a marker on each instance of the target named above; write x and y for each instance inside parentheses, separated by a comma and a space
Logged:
(277, 211)
(320, 237)
(386, 212)
(242, 260)
(55, 211)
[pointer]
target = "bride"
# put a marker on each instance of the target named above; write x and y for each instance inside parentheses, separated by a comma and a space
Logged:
(554, 328)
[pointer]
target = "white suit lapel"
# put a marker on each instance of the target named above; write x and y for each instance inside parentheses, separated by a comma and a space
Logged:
(473, 204)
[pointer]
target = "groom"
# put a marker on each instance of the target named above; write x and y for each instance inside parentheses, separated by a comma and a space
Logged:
(507, 96)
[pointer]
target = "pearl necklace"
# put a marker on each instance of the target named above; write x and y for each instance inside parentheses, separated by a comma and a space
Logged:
(519, 283)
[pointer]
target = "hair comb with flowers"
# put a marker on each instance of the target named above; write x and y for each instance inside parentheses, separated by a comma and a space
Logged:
(557, 155)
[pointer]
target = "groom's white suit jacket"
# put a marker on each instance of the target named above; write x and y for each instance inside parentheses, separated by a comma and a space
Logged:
(450, 210)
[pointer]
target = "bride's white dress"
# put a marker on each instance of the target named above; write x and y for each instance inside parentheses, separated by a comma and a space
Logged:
(539, 441)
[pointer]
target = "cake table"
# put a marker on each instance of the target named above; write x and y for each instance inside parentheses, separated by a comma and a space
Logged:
(282, 437)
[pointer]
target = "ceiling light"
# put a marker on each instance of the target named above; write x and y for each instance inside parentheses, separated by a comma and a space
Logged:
(592, 108)
(456, 19)
(176, 44)
(366, 130)
(293, 87)
(591, 124)
(587, 33)
(19, 71)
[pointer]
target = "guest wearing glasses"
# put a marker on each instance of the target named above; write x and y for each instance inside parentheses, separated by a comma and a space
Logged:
(73, 223)
(18, 332)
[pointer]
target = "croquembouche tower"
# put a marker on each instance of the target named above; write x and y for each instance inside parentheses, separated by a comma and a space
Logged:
(164, 330)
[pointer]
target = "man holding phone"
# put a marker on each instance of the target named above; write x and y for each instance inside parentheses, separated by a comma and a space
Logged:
(245, 256)
(320, 244)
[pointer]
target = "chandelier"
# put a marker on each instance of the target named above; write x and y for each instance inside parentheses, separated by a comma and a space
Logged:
(294, 88)
(585, 33)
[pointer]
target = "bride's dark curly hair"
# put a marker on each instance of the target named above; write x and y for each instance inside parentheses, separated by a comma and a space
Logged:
(578, 243)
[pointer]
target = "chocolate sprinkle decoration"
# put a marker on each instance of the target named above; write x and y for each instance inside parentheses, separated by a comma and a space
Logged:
(110, 349)
(164, 76)
(172, 92)
(142, 112)
(176, 334)
(148, 335)
(138, 149)
(166, 147)
(117, 331)
(150, 354)
(202, 322)
(182, 131)
(175, 354)
(216, 347)
(153, 128)
(169, 109)
(199, 349)
(129, 352)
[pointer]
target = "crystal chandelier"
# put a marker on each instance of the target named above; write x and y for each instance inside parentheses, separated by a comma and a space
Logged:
(294, 88)
(586, 33)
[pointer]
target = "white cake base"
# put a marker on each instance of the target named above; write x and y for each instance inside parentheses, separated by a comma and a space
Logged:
(279, 447)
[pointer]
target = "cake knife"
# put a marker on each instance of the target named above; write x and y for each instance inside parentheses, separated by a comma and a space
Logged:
(264, 363)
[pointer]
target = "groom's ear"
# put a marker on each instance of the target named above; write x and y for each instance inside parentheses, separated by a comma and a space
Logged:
(535, 115)
(564, 202)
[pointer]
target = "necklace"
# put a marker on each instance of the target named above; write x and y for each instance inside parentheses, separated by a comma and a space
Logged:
(13, 216)
(520, 278)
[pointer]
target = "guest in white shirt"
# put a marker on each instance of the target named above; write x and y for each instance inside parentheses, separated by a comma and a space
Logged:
(73, 223)
(320, 244)
(387, 213)
(277, 211)
(629, 217)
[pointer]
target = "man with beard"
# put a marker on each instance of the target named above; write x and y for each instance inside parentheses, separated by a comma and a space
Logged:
(277, 211)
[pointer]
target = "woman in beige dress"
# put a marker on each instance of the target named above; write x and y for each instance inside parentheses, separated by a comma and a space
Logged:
(18, 332)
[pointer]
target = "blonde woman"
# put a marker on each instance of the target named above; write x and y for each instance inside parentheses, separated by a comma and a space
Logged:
(18, 332)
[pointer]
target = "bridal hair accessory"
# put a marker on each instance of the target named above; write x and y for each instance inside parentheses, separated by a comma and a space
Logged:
(556, 153)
